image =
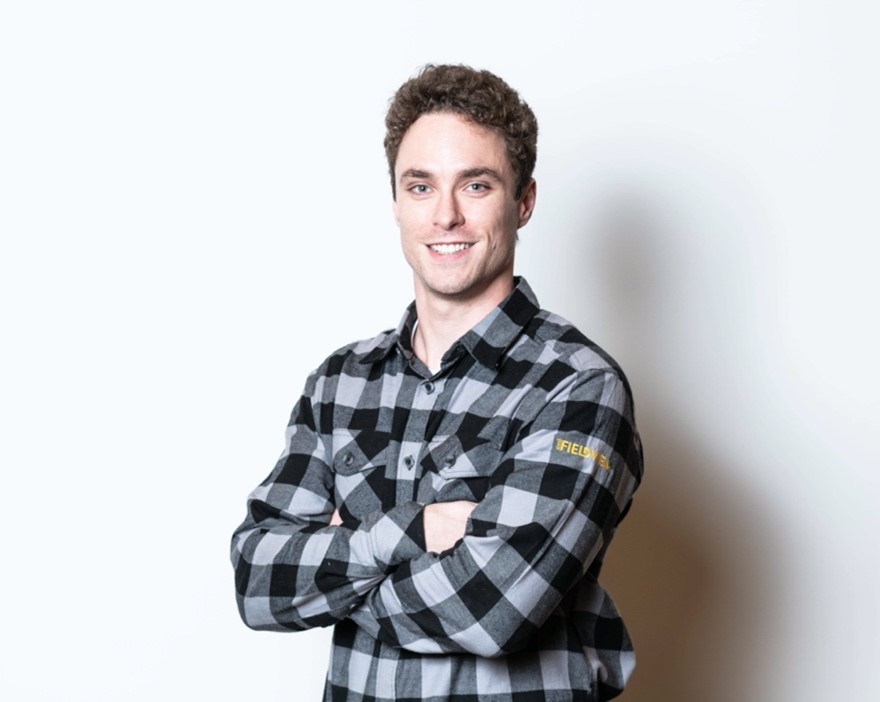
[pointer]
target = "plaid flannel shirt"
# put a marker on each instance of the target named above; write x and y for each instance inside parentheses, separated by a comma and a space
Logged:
(527, 418)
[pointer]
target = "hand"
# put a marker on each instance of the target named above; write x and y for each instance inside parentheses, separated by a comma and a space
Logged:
(335, 520)
(445, 523)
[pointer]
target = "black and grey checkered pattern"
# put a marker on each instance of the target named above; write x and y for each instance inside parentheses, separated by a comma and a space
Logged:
(527, 418)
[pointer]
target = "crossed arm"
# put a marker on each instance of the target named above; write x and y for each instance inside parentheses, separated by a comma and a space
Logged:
(503, 565)
(444, 523)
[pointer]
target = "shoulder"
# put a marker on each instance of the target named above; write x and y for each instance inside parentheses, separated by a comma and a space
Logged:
(567, 354)
(351, 360)
(562, 341)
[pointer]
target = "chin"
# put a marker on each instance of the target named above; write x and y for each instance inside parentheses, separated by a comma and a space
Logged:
(459, 290)
(449, 291)
(445, 288)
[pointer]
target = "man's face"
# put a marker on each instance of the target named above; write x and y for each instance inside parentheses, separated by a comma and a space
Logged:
(456, 210)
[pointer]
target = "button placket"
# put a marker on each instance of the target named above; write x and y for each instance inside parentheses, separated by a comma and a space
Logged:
(424, 397)
(407, 463)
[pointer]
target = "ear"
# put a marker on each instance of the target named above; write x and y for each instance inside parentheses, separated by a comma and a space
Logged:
(526, 203)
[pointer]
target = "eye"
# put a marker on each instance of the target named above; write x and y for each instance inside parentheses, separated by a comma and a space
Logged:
(477, 187)
(419, 189)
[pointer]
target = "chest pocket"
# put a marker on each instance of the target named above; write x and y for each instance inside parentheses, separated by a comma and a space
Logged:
(354, 452)
(460, 470)
(360, 485)
(451, 458)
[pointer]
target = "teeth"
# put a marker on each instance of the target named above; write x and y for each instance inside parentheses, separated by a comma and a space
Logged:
(449, 248)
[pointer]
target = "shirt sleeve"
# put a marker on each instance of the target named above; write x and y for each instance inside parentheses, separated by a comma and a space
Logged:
(292, 570)
(555, 500)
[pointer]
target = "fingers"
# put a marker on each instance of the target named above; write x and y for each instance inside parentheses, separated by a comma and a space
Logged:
(445, 524)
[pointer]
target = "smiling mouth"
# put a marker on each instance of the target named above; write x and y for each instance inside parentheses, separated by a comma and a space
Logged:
(446, 249)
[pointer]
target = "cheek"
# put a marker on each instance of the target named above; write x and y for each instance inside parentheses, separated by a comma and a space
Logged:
(408, 235)
(407, 221)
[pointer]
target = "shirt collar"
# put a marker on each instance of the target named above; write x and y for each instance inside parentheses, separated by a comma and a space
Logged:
(487, 341)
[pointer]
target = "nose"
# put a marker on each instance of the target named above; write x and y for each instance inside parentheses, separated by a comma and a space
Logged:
(447, 213)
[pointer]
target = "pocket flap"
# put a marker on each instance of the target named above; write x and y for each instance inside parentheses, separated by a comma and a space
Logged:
(354, 451)
(452, 458)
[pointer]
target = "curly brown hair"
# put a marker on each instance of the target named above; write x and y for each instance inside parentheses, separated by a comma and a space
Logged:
(480, 96)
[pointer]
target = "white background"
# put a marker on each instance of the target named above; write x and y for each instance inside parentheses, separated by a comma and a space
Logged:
(195, 210)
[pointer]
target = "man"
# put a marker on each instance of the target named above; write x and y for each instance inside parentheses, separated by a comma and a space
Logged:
(449, 488)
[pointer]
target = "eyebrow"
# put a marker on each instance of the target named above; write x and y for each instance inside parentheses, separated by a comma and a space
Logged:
(414, 173)
(480, 172)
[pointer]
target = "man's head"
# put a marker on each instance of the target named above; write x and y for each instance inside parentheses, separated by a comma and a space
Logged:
(478, 96)
(461, 148)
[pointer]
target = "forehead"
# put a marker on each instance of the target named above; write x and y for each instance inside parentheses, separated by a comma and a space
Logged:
(442, 142)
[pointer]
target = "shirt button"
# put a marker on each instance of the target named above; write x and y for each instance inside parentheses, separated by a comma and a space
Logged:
(409, 462)
(429, 387)
(348, 458)
(449, 461)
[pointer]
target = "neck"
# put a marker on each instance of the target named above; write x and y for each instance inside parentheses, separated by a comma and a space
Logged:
(443, 321)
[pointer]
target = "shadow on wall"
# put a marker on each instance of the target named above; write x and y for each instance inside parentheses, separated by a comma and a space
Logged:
(687, 564)
(692, 617)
